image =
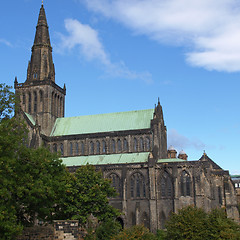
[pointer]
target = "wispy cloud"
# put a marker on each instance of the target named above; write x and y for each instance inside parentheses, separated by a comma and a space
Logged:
(4, 41)
(90, 46)
(209, 29)
(180, 142)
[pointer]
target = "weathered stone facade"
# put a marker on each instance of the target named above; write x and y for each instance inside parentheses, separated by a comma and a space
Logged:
(129, 147)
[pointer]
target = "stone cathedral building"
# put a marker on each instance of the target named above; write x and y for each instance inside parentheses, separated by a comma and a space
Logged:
(129, 147)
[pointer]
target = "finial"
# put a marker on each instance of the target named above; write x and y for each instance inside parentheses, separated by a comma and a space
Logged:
(158, 101)
(42, 2)
(204, 153)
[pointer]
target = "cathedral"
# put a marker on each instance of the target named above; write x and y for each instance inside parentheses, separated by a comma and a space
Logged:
(130, 148)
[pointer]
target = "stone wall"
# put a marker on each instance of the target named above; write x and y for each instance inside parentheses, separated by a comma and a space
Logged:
(60, 230)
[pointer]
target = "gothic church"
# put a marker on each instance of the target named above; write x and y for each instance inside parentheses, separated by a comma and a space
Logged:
(129, 147)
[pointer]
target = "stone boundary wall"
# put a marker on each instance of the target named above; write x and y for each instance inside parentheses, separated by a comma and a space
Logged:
(59, 230)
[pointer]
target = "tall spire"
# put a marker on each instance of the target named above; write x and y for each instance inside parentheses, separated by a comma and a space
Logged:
(41, 66)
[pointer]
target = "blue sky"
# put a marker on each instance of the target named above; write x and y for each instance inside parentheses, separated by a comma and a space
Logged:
(122, 55)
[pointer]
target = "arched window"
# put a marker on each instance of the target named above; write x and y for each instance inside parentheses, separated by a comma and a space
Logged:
(185, 184)
(147, 144)
(137, 185)
(219, 195)
(98, 147)
(76, 148)
(55, 147)
(61, 149)
(135, 145)
(24, 98)
(41, 95)
(82, 148)
(71, 148)
(113, 146)
(104, 147)
(125, 145)
(116, 183)
(91, 148)
(119, 145)
(35, 101)
(29, 103)
(61, 107)
(166, 186)
(53, 104)
(141, 144)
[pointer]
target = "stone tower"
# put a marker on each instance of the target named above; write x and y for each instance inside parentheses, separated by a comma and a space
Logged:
(39, 95)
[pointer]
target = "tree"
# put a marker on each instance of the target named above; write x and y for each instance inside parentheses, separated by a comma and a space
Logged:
(194, 223)
(31, 181)
(87, 195)
(135, 232)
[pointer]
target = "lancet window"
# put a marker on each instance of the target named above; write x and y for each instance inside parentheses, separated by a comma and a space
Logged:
(166, 186)
(137, 186)
(116, 183)
(185, 184)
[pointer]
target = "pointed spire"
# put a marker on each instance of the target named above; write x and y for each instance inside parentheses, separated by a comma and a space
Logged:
(41, 66)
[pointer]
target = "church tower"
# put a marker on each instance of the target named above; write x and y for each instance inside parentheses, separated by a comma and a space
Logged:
(39, 95)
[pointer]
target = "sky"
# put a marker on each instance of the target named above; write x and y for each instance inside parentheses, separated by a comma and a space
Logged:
(122, 55)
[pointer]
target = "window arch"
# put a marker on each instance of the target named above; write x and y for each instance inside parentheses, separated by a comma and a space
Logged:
(147, 143)
(103, 147)
(116, 183)
(61, 149)
(113, 146)
(166, 186)
(119, 143)
(91, 148)
(41, 95)
(125, 145)
(141, 144)
(35, 102)
(71, 148)
(29, 103)
(98, 147)
(135, 147)
(137, 186)
(55, 147)
(185, 184)
(76, 148)
(82, 148)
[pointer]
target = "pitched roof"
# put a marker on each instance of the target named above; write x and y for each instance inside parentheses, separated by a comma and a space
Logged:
(110, 122)
(106, 159)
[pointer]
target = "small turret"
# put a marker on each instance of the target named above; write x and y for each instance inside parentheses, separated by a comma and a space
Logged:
(172, 153)
(182, 155)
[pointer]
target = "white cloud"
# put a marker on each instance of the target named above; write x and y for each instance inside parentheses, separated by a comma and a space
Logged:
(208, 28)
(180, 142)
(87, 39)
(5, 42)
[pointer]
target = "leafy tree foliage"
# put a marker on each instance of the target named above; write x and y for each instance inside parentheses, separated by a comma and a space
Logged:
(135, 232)
(87, 194)
(194, 223)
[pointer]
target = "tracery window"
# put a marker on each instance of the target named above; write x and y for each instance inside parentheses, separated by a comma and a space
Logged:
(185, 184)
(116, 183)
(166, 186)
(147, 144)
(61, 149)
(35, 102)
(103, 147)
(98, 147)
(113, 146)
(82, 148)
(24, 98)
(141, 144)
(29, 103)
(55, 147)
(137, 186)
(91, 148)
(135, 145)
(125, 145)
(71, 149)
(76, 148)
(119, 145)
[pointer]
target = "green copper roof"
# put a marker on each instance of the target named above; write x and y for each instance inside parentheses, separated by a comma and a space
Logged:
(171, 160)
(109, 122)
(30, 118)
(106, 159)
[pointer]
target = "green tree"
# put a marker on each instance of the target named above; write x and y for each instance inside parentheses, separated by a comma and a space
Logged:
(194, 223)
(135, 232)
(31, 181)
(87, 195)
